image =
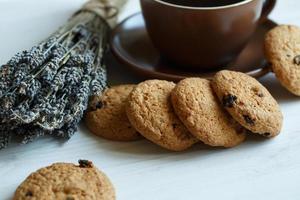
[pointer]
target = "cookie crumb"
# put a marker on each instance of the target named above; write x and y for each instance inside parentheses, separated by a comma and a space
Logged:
(297, 60)
(229, 100)
(85, 163)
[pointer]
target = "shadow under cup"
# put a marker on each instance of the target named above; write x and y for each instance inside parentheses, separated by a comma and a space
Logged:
(202, 37)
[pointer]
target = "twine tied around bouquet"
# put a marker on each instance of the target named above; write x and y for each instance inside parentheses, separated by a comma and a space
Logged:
(102, 8)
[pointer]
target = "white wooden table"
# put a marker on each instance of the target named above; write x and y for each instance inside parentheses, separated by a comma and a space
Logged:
(255, 170)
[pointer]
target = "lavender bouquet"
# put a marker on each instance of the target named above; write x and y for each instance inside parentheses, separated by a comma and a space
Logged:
(45, 90)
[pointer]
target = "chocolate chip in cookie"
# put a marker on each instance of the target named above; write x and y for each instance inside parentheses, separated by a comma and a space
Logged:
(249, 120)
(267, 134)
(29, 194)
(99, 105)
(229, 100)
(85, 163)
(297, 60)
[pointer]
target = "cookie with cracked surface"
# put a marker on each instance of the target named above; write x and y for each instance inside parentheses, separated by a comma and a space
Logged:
(65, 181)
(150, 111)
(248, 102)
(282, 49)
(199, 109)
(107, 117)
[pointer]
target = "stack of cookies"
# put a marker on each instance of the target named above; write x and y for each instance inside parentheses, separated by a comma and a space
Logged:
(219, 113)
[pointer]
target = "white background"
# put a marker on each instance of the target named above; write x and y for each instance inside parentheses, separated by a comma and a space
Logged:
(258, 169)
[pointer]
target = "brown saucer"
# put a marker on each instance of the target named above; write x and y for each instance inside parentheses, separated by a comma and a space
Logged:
(132, 46)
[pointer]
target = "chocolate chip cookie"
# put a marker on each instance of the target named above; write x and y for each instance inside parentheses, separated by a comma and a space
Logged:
(248, 102)
(150, 111)
(107, 116)
(198, 108)
(65, 181)
(282, 49)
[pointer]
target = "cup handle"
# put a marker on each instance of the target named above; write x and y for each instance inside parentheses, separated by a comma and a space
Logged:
(267, 9)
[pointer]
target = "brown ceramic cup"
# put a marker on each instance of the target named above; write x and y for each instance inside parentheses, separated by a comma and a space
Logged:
(203, 37)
